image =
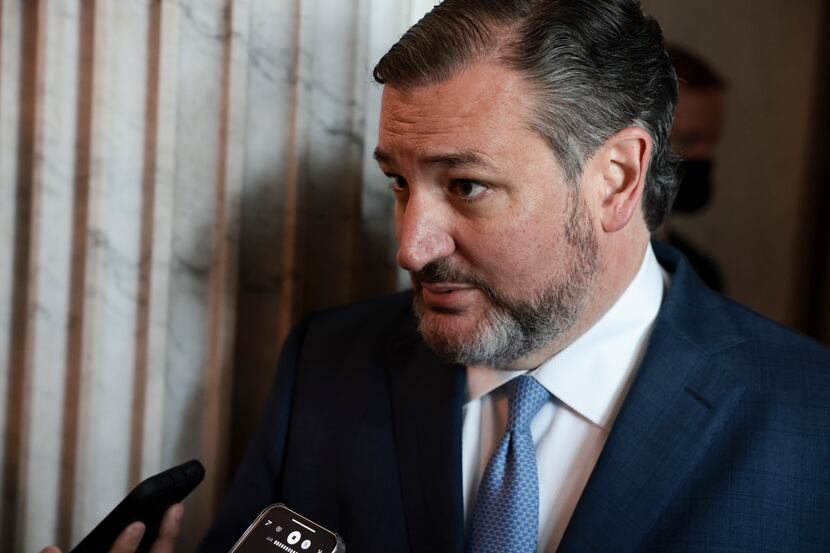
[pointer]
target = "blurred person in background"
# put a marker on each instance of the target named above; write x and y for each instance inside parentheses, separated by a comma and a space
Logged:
(695, 135)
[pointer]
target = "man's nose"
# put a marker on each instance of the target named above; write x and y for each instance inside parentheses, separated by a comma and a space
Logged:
(423, 233)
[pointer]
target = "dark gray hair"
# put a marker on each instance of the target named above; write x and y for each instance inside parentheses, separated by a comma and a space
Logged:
(595, 68)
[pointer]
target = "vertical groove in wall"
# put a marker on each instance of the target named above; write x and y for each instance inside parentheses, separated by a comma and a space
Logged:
(2, 12)
(383, 25)
(77, 278)
(360, 56)
(92, 393)
(363, 255)
(224, 244)
(141, 351)
(290, 204)
(23, 302)
(161, 223)
(5, 354)
(218, 270)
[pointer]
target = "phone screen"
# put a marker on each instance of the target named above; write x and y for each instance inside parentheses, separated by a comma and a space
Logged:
(278, 528)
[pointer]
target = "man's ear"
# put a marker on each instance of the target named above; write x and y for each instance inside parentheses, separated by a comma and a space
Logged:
(622, 167)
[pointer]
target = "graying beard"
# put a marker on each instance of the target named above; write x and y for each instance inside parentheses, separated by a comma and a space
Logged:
(514, 329)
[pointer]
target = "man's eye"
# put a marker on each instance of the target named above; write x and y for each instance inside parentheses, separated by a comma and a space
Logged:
(467, 188)
(398, 184)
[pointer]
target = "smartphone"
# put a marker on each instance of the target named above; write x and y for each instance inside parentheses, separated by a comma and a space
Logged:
(147, 502)
(278, 528)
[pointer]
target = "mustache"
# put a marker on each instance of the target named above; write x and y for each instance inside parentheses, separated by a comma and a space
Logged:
(443, 271)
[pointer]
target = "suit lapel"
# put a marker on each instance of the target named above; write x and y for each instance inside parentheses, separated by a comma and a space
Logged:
(665, 426)
(427, 398)
(678, 402)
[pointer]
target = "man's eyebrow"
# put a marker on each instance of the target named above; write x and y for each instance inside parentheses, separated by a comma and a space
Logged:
(458, 159)
(450, 160)
(381, 156)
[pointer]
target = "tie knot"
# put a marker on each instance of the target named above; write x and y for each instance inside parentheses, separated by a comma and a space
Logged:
(525, 397)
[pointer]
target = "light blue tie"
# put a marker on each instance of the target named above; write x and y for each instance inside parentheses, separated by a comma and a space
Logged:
(506, 513)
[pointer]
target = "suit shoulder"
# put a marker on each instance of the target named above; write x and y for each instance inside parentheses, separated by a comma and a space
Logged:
(775, 339)
(769, 357)
(776, 363)
(381, 317)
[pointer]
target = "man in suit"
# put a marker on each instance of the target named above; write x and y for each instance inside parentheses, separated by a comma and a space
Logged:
(527, 143)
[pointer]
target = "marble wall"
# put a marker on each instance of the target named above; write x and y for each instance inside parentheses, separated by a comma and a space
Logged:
(180, 180)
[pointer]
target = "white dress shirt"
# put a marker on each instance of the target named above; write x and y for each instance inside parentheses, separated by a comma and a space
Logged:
(588, 381)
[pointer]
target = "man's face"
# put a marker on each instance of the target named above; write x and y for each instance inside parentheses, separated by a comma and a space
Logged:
(698, 122)
(500, 247)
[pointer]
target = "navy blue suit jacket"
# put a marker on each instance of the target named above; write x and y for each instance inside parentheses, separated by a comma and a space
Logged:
(722, 443)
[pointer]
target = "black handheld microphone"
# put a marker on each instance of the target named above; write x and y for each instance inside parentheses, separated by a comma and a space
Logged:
(147, 502)
(278, 528)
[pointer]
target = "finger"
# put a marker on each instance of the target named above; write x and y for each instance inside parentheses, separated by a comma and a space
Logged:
(128, 540)
(51, 549)
(169, 530)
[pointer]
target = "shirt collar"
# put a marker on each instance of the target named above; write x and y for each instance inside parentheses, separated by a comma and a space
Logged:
(592, 374)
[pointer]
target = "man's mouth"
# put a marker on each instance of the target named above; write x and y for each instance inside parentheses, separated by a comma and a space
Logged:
(444, 288)
(446, 296)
